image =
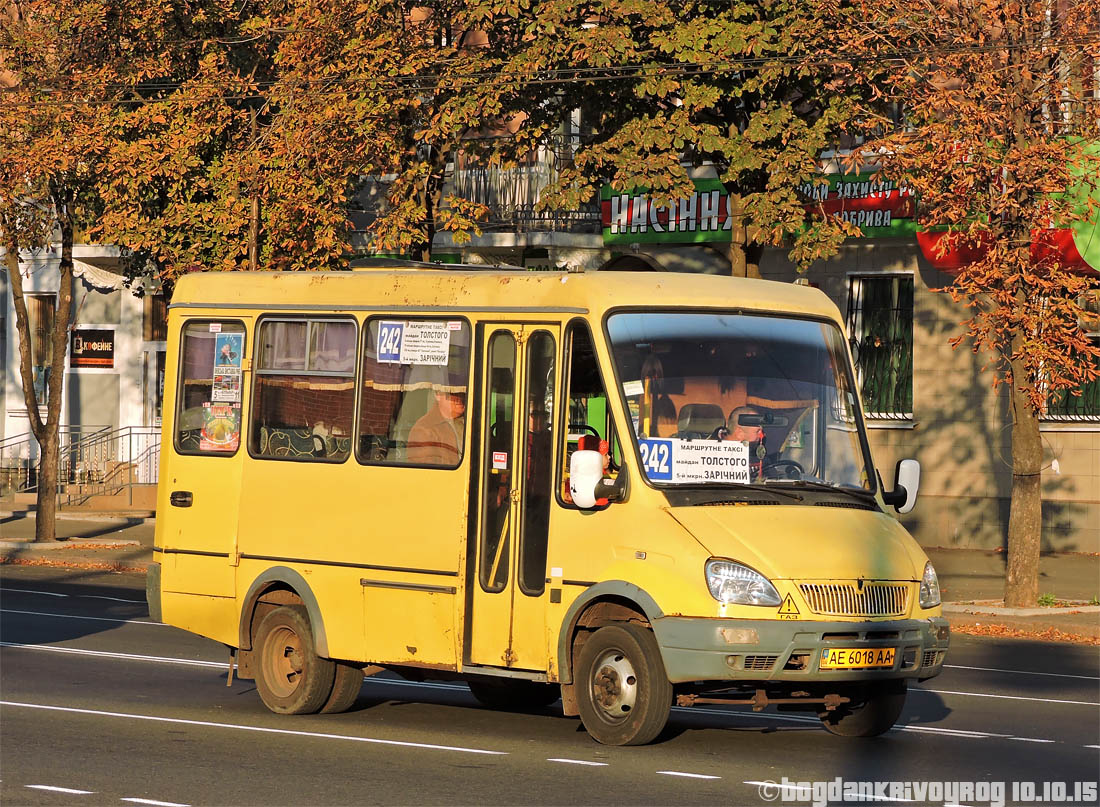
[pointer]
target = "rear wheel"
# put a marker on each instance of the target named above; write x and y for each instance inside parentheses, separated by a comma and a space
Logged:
(513, 695)
(290, 677)
(874, 709)
(345, 688)
(623, 694)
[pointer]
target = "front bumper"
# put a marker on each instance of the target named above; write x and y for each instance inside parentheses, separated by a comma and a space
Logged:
(696, 649)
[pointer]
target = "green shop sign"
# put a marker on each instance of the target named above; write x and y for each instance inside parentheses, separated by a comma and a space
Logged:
(880, 208)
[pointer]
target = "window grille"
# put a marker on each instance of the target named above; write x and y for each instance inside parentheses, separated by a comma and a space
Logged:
(1063, 404)
(880, 330)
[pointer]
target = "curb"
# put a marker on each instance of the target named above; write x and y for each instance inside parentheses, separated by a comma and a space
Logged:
(71, 543)
(1000, 610)
(139, 516)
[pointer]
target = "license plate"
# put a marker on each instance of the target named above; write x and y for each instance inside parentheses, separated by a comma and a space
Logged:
(856, 658)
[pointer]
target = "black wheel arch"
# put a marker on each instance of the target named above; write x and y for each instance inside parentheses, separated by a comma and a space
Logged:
(282, 579)
(604, 603)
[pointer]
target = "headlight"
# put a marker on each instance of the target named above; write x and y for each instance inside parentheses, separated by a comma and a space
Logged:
(733, 583)
(929, 587)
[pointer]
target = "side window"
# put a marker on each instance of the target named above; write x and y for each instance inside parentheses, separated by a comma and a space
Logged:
(304, 397)
(412, 403)
(589, 424)
(208, 397)
(880, 327)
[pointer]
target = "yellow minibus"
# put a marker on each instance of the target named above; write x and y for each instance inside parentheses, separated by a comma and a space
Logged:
(626, 490)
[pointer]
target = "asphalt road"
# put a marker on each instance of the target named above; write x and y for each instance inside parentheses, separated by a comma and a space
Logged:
(98, 705)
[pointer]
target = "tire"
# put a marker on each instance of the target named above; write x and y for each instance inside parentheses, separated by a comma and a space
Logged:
(514, 695)
(346, 684)
(290, 677)
(623, 694)
(876, 708)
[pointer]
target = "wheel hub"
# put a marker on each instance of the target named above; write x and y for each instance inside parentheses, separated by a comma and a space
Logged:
(284, 661)
(614, 685)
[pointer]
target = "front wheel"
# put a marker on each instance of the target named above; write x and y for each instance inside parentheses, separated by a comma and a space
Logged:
(623, 694)
(290, 677)
(873, 710)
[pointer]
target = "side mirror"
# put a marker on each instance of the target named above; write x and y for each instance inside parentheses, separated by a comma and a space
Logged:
(587, 484)
(906, 482)
(585, 473)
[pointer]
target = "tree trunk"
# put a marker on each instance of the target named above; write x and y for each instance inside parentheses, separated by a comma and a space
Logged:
(1026, 509)
(45, 528)
(742, 252)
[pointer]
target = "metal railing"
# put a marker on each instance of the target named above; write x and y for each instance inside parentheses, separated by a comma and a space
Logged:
(93, 461)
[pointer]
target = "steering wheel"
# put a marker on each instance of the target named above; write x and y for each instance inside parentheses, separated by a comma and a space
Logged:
(774, 465)
(573, 427)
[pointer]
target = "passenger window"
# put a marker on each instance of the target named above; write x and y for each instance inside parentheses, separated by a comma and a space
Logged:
(305, 390)
(589, 427)
(208, 413)
(412, 404)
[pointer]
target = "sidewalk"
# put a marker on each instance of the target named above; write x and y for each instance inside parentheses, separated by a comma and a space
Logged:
(971, 580)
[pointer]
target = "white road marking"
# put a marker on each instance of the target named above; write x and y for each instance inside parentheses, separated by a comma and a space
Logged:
(1021, 672)
(93, 618)
(44, 594)
(80, 596)
(579, 762)
(156, 803)
(259, 729)
(125, 656)
(1030, 740)
(1005, 697)
(1092, 746)
(69, 790)
(689, 775)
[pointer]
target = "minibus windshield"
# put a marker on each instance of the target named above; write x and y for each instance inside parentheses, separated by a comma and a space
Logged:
(738, 399)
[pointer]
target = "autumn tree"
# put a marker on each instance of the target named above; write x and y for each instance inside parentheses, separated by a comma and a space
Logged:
(662, 87)
(997, 131)
(51, 157)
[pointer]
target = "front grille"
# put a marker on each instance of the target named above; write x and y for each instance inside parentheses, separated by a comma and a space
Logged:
(846, 599)
(931, 658)
(760, 662)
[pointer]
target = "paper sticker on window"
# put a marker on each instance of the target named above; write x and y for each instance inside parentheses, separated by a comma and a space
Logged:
(500, 460)
(413, 342)
(694, 461)
(633, 388)
(227, 351)
(221, 428)
(227, 387)
(215, 327)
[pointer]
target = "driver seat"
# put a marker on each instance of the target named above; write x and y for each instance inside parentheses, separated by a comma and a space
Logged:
(699, 420)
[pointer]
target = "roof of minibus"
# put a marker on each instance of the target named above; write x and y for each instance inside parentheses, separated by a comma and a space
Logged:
(480, 289)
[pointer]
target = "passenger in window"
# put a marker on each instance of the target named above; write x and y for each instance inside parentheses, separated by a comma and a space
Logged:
(436, 438)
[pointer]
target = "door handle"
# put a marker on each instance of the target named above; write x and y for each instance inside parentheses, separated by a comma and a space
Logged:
(180, 498)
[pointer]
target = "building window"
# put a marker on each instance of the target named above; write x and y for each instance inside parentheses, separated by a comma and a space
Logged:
(305, 390)
(155, 318)
(41, 309)
(880, 329)
(1085, 406)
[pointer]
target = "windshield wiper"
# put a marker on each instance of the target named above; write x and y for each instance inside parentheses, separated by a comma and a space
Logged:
(815, 484)
(762, 488)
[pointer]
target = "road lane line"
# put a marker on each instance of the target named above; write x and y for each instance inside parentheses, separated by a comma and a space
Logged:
(108, 654)
(1021, 672)
(1005, 697)
(689, 775)
(29, 591)
(54, 789)
(1030, 740)
(79, 596)
(259, 729)
(579, 762)
(74, 616)
(155, 803)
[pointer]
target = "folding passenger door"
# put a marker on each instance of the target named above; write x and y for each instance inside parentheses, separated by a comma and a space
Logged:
(506, 608)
